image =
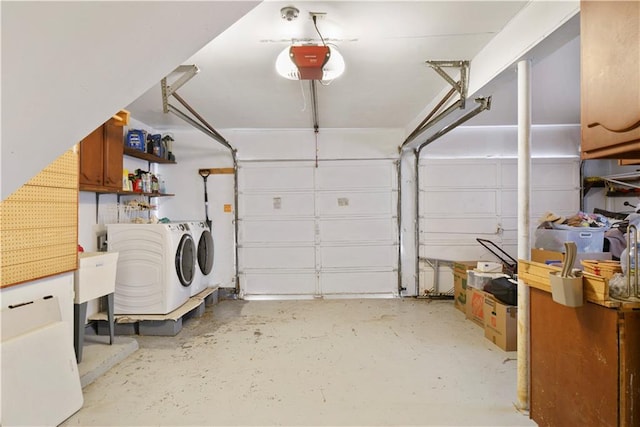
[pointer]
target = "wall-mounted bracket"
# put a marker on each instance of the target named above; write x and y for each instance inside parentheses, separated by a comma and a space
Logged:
(460, 87)
(188, 72)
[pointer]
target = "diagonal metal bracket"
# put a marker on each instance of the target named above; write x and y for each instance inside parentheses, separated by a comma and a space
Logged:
(188, 72)
(460, 87)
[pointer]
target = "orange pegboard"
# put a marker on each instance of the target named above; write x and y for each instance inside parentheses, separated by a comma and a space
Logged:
(39, 224)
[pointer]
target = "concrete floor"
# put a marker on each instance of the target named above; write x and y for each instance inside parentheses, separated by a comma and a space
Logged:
(321, 362)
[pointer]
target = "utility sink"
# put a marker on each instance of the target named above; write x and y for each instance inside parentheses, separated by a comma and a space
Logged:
(96, 275)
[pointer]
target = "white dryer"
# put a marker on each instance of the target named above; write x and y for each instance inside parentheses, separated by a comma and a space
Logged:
(204, 255)
(156, 267)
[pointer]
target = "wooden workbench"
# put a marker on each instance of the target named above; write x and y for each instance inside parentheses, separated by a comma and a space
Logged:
(585, 361)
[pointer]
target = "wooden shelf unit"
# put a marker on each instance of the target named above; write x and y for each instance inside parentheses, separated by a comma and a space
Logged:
(132, 152)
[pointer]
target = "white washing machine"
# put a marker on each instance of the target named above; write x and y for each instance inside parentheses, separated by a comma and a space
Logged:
(204, 255)
(156, 266)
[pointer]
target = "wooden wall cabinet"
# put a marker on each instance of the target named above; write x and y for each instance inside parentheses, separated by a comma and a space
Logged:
(101, 154)
(610, 79)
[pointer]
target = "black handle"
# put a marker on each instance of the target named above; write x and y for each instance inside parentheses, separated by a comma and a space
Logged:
(512, 266)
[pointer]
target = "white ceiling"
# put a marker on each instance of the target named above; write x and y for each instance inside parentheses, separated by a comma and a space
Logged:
(386, 84)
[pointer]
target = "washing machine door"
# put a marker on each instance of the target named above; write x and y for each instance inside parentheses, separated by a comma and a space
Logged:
(186, 260)
(205, 252)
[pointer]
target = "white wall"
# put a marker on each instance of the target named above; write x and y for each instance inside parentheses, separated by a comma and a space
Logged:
(68, 66)
(520, 39)
(299, 144)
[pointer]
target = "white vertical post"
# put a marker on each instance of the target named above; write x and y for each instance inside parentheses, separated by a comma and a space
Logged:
(408, 255)
(524, 245)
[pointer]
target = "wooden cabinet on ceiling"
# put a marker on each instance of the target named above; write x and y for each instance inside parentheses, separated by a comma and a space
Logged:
(610, 79)
(101, 159)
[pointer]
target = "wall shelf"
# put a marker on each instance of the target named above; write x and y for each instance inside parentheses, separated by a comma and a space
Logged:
(131, 152)
(620, 185)
(102, 190)
(136, 193)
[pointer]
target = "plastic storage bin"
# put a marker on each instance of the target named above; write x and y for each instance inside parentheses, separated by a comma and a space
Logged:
(587, 239)
(477, 279)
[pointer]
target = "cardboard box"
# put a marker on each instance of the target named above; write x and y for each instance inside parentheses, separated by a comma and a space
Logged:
(475, 306)
(460, 283)
(500, 323)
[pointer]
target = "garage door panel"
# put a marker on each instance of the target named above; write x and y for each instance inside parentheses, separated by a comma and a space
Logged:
(274, 205)
(358, 256)
(300, 222)
(545, 173)
(282, 283)
(358, 230)
(445, 226)
(555, 184)
(469, 174)
(559, 201)
(299, 257)
(272, 231)
(357, 176)
(284, 176)
(452, 250)
(471, 202)
(359, 282)
(352, 203)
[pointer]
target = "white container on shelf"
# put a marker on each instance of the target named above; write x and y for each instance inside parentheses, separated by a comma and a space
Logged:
(587, 239)
(478, 279)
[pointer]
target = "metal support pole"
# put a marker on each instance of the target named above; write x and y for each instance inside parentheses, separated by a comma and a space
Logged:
(524, 211)
(234, 155)
(399, 219)
(417, 220)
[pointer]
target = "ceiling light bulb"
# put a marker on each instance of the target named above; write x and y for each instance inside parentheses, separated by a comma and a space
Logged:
(289, 13)
(331, 70)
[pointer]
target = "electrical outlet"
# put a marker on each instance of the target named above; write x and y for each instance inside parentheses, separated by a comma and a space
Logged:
(318, 15)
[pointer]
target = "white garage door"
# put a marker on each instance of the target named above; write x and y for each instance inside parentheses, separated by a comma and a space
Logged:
(329, 230)
(461, 200)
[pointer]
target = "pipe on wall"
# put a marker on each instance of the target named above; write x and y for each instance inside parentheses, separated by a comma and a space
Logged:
(524, 245)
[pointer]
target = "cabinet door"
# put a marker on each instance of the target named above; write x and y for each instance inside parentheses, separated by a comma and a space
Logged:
(574, 363)
(91, 166)
(113, 153)
(610, 82)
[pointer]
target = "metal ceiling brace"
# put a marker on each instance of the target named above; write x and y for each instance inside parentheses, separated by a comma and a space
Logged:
(314, 111)
(460, 87)
(189, 71)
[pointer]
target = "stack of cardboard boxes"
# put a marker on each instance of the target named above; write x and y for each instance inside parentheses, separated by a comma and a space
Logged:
(498, 320)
